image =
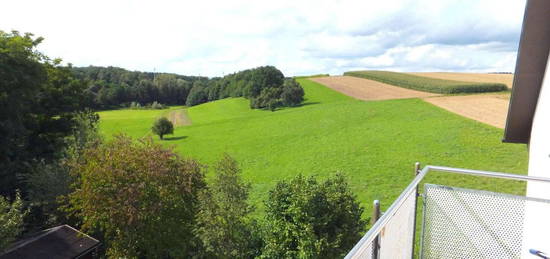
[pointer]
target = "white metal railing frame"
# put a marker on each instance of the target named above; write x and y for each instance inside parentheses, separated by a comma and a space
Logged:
(377, 227)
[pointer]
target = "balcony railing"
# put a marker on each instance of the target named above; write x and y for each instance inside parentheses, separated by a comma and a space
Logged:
(460, 223)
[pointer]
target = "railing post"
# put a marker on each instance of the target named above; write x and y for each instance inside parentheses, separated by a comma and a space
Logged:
(375, 217)
(416, 172)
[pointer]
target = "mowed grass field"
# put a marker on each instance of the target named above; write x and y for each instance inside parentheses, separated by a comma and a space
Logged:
(375, 143)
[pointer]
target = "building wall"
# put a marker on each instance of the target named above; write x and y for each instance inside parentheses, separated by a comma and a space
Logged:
(537, 219)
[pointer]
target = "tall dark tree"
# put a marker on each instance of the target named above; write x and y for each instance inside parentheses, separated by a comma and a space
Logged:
(38, 99)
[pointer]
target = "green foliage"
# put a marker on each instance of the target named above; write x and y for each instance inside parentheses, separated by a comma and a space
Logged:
(141, 196)
(224, 223)
(308, 219)
(289, 94)
(432, 85)
(49, 183)
(269, 98)
(153, 106)
(113, 86)
(38, 99)
(11, 220)
(157, 106)
(162, 127)
(198, 94)
(292, 94)
(265, 87)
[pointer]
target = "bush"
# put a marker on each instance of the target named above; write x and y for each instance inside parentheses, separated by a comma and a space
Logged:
(142, 197)
(162, 127)
(308, 219)
(135, 105)
(432, 85)
(157, 106)
(11, 220)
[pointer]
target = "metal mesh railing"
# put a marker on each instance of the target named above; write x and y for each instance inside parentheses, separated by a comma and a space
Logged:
(460, 223)
(464, 223)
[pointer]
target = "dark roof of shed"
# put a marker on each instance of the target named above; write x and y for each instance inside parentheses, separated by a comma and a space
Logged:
(530, 66)
(57, 242)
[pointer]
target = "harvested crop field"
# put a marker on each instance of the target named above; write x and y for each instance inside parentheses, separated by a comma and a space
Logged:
(369, 90)
(506, 79)
(487, 108)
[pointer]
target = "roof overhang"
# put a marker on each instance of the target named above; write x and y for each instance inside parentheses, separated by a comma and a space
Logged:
(531, 62)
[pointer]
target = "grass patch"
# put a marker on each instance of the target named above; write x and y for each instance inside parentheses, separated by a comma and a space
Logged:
(374, 143)
(427, 84)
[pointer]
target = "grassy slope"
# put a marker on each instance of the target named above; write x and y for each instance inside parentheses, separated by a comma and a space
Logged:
(428, 84)
(374, 143)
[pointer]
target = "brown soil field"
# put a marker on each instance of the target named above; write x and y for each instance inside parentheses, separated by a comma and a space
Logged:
(506, 79)
(179, 118)
(487, 108)
(369, 90)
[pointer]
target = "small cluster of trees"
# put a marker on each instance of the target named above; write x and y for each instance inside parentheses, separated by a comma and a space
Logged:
(266, 87)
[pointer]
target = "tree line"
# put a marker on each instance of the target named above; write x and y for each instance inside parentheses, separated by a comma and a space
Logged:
(140, 199)
(109, 87)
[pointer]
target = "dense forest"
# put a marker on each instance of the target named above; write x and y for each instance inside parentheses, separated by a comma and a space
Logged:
(111, 87)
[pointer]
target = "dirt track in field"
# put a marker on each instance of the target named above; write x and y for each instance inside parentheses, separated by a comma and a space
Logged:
(487, 108)
(368, 90)
(506, 79)
(179, 118)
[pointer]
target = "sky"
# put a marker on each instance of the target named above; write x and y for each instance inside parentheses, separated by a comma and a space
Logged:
(214, 38)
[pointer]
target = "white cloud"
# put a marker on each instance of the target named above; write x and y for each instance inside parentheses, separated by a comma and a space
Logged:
(300, 37)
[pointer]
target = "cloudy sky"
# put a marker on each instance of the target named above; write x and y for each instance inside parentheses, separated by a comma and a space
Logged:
(212, 38)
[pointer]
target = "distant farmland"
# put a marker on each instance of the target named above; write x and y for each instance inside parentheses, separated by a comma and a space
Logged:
(428, 84)
(506, 79)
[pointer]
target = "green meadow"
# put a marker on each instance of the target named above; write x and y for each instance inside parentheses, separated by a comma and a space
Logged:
(375, 144)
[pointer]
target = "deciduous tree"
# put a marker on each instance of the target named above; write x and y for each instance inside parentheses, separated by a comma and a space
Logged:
(224, 223)
(141, 196)
(308, 219)
(163, 126)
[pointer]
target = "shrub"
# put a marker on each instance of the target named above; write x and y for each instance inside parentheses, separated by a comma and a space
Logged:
(308, 219)
(162, 127)
(11, 220)
(141, 196)
(432, 85)
(135, 105)
(157, 106)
